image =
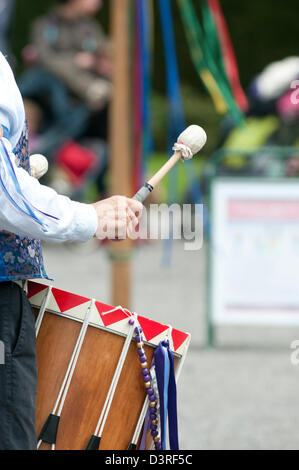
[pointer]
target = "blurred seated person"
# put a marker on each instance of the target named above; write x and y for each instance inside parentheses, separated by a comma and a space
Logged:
(69, 72)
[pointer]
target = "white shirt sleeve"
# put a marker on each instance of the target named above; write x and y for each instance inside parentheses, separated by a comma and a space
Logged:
(77, 222)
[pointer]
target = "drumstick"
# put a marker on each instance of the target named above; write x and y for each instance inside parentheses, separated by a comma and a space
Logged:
(189, 143)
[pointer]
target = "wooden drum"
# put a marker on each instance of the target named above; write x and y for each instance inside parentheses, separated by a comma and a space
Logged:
(89, 374)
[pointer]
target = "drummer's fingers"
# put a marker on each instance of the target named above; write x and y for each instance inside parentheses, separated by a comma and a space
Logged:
(120, 230)
(135, 206)
(116, 213)
(124, 226)
(116, 206)
(120, 219)
(123, 213)
(132, 217)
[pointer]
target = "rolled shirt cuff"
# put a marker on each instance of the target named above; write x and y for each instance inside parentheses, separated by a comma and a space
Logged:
(85, 222)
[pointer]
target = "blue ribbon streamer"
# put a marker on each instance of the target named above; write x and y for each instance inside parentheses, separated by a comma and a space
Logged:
(176, 120)
(146, 65)
(13, 176)
(165, 398)
(176, 115)
(11, 173)
(164, 366)
(172, 405)
(160, 374)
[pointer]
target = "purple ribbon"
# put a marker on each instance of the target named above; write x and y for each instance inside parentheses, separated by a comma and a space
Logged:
(167, 394)
(172, 406)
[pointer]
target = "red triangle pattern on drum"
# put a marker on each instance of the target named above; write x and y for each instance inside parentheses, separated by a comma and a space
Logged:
(67, 301)
(178, 337)
(112, 317)
(151, 328)
(34, 288)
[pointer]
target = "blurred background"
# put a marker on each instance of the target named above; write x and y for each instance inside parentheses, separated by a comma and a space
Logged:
(232, 68)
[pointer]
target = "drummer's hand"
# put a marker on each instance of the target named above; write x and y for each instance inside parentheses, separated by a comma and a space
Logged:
(117, 216)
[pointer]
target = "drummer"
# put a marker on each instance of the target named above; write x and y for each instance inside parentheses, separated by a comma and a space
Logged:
(29, 213)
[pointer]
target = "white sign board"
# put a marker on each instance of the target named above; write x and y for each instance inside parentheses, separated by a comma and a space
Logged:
(255, 252)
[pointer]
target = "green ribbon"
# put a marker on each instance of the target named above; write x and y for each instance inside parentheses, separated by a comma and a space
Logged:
(207, 57)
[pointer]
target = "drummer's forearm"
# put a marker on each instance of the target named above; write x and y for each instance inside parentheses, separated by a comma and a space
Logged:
(75, 222)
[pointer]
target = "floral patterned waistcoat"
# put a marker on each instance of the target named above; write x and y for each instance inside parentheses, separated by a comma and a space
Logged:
(20, 258)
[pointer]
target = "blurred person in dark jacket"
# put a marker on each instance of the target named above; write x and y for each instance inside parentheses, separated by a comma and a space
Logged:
(69, 72)
(71, 45)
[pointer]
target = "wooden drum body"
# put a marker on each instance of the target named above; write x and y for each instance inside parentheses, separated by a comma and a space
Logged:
(88, 375)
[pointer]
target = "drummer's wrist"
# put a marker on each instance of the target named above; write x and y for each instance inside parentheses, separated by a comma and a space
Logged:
(95, 221)
(85, 222)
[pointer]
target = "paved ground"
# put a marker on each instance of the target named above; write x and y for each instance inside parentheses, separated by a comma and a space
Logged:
(242, 394)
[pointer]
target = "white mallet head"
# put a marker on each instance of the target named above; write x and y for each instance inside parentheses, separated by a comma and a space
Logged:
(190, 141)
(38, 166)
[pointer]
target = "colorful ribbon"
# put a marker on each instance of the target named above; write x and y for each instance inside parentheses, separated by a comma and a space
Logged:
(176, 120)
(164, 368)
(176, 117)
(229, 58)
(204, 47)
(137, 102)
(24, 207)
(142, 64)
(164, 383)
